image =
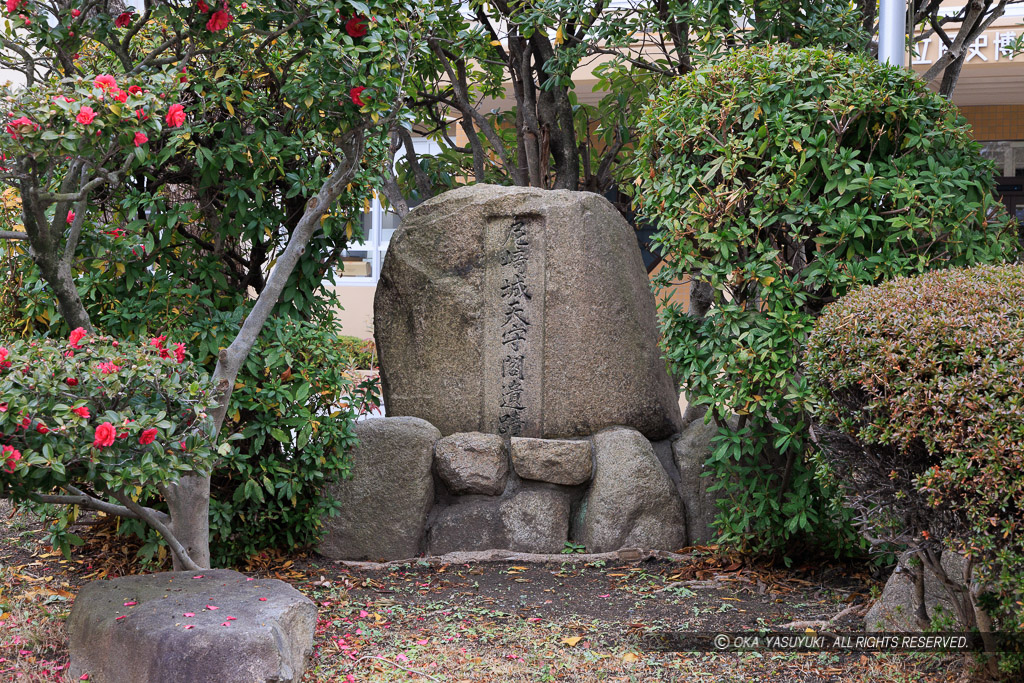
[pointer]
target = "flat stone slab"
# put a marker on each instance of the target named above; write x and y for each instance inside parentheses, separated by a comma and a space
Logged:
(556, 461)
(190, 627)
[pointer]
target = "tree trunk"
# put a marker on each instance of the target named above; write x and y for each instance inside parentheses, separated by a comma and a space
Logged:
(57, 274)
(189, 504)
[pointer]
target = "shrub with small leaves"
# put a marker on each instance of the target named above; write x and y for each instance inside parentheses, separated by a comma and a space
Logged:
(780, 178)
(925, 376)
(98, 417)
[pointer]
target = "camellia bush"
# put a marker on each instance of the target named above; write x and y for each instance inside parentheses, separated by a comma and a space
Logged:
(91, 419)
(193, 170)
(780, 178)
(920, 387)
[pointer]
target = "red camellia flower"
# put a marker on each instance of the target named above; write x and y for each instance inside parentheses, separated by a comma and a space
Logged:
(42, 429)
(104, 81)
(4, 363)
(158, 342)
(140, 139)
(109, 368)
(175, 115)
(202, 7)
(355, 93)
(71, 382)
(71, 217)
(11, 456)
(12, 5)
(19, 127)
(135, 90)
(147, 436)
(219, 21)
(81, 412)
(76, 336)
(356, 26)
(123, 20)
(105, 435)
(86, 116)
(119, 95)
(76, 13)
(179, 353)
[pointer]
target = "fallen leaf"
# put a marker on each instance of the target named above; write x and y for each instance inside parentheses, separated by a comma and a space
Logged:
(571, 642)
(630, 657)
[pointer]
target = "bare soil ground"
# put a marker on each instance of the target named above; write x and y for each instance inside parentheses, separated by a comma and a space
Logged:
(501, 621)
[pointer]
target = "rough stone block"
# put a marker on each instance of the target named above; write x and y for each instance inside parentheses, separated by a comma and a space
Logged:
(472, 463)
(384, 505)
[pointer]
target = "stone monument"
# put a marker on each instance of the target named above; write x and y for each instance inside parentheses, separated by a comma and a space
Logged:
(520, 323)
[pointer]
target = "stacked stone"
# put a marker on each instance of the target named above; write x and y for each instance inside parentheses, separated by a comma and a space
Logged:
(529, 402)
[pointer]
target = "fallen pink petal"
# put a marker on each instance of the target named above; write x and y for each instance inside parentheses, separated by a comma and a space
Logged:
(189, 614)
(123, 616)
(130, 604)
(211, 607)
(188, 626)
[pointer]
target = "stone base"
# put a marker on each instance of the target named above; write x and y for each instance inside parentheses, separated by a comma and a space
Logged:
(135, 629)
(895, 610)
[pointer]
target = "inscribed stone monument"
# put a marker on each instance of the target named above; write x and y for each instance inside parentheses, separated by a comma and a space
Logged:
(521, 312)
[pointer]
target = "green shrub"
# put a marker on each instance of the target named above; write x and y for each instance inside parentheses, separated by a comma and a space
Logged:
(926, 377)
(779, 178)
(295, 402)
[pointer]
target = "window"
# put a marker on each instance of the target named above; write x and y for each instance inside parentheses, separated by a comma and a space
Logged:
(363, 260)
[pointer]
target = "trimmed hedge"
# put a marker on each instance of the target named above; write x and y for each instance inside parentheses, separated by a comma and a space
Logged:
(925, 377)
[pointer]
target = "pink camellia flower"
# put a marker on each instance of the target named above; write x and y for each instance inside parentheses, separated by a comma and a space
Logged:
(81, 411)
(4, 363)
(76, 336)
(76, 13)
(19, 127)
(356, 95)
(86, 116)
(175, 115)
(219, 21)
(12, 5)
(179, 353)
(158, 342)
(140, 139)
(108, 368)
(71, 217)
(64, 98)
(124, 20)
(147, 436)
(11, 456)
(105, 435)
(356, 26)
(105, 81)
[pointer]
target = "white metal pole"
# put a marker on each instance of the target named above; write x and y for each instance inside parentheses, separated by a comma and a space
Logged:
(892, 31)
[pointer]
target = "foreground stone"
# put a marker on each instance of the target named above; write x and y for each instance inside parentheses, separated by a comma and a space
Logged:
(551, 460)
(472, 463)
(896, 609)
(521, 312)
(384, 505)
(133, 629)
(632, 502)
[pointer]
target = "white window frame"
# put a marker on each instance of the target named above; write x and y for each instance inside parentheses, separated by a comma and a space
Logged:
(372, 242)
